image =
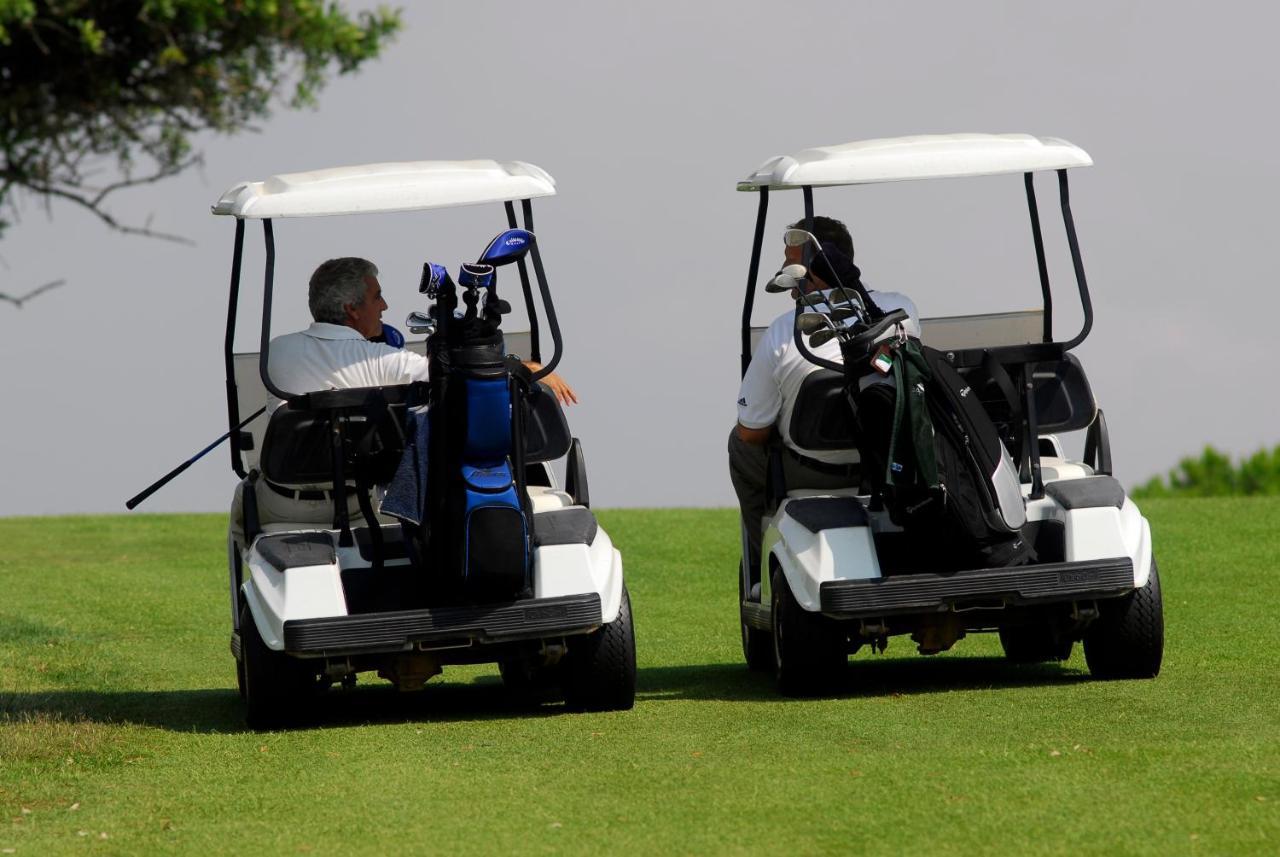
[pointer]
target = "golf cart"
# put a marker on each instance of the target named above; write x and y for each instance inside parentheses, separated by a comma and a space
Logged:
(503, 565)
(836, 571)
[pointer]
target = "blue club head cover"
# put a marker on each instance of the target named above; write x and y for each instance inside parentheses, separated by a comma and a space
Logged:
(507, 247)
(435, 278)
(474, 275)
(390, 336)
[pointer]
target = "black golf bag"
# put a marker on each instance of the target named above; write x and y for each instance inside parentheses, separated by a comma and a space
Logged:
(938, 462)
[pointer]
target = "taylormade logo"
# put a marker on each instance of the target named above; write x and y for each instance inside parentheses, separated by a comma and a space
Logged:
(964, 392)
(742, 403)
(515, 240)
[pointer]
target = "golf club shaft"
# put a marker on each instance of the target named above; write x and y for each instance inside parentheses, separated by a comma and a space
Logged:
(173, 474)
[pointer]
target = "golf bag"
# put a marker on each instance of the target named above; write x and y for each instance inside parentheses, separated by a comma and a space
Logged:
(477, 524)
(939, 463)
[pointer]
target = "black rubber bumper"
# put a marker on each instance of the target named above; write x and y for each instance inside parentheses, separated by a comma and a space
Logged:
(985, 587)
(402, 630)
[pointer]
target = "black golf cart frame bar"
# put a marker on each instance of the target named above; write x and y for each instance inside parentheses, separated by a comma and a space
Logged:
(233, 406)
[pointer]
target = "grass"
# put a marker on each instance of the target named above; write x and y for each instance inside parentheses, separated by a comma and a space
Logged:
(121, 731)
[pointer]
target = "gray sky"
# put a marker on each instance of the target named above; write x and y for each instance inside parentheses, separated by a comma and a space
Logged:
(647, 114)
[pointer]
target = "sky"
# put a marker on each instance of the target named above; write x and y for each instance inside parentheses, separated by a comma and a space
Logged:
(647, 114)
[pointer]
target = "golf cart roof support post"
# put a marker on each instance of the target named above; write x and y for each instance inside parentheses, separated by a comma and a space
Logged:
(547, 304)
(1076, 262)
(268, 277)
(1041, 266)
(752, 271)
(1027, 377)
(228, 344)
(807, 190)
(535, 347)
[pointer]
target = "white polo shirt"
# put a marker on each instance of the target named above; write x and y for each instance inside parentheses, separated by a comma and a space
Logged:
(769, 389)
(336, 357)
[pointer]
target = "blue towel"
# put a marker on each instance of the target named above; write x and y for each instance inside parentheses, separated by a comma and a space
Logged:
(406, 496)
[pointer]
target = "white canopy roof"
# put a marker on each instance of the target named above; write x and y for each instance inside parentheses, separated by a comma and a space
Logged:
(405, 186)
(927, 156)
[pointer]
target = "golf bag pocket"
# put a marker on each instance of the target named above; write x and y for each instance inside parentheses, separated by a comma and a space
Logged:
(495, 533)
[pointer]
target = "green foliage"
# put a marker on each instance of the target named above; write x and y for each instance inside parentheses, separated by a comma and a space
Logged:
(1213, 475)
(126, 83)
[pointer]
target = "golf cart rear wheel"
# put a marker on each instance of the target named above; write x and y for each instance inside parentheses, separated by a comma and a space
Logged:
(600, 667)
(808, 650)
(276, 686)
(1127, 638)
(1034, 644)
(757, 645)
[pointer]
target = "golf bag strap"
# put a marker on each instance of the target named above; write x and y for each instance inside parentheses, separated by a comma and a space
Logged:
(911, 377)
(1000, 377)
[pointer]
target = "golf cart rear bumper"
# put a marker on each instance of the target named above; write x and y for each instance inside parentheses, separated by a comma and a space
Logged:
(978, 588)
(533, 618)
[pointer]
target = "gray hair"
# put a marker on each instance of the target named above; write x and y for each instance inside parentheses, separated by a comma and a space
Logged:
(335, 284)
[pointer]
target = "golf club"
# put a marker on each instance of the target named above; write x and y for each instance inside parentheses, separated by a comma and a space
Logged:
(132, 502)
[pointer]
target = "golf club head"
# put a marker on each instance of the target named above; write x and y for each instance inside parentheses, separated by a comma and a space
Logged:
(810, 322)
(420, 322)
(795, 237)
(822, 337)
(434, 279)
(507, 247)
(790, 277)
(498, 306)
(473, 275)
(840, 313)
(813, 299)
(847, 296)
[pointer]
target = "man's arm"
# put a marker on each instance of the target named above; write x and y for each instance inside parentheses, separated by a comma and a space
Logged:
(755, 436)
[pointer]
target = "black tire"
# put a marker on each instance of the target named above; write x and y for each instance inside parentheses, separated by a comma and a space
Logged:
(1034, 644)
(600, 667)
(1127, 638)
(808, 648)
(276, 686)
(240, 671)
(757, 645)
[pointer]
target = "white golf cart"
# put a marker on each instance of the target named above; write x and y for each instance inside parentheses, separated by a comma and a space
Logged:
(835, 573)
(515, 569)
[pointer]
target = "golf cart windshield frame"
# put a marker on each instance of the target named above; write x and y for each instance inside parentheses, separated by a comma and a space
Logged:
(233, 407)
(1032, 351)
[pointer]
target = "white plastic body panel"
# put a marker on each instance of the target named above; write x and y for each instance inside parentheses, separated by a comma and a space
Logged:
(574, 569)
(808, 559)
(373, 188)
(925, 156)
(312, 592)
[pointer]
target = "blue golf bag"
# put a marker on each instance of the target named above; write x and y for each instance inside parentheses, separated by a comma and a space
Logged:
(477, 529)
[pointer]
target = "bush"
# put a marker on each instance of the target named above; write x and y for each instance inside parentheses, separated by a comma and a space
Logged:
(1213, 475)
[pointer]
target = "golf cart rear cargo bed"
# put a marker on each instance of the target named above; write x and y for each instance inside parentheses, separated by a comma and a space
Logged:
(932, 593)
(528, 619)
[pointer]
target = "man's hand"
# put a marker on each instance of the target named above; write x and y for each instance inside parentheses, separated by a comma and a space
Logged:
(557, 384)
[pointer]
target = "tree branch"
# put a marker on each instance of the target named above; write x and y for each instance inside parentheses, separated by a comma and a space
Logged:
(19, 301)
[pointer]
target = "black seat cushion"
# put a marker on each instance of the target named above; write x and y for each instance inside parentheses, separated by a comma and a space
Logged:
(297, 449)
(822, 418)
(1092, 492)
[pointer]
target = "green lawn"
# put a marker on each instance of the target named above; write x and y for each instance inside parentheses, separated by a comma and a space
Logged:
(121, 731)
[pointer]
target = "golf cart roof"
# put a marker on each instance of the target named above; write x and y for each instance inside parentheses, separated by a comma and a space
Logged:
(926, 156)
(371, 188)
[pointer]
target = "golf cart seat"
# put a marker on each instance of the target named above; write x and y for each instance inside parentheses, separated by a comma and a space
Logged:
(547, 438)
(820, 420)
